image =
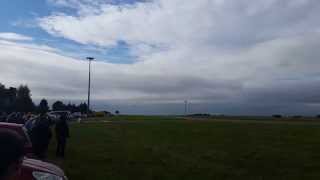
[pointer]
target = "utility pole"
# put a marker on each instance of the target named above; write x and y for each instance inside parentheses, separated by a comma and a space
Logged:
(89, 85)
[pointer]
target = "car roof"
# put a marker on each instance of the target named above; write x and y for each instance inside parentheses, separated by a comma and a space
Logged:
(43, 166)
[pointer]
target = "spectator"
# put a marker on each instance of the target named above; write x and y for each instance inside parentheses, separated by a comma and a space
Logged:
(12, 153)
(26, 117)
(41, 135)
(62, 133)
(30, 123)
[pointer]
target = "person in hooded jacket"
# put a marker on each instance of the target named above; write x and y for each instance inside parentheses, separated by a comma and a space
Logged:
(41, 135)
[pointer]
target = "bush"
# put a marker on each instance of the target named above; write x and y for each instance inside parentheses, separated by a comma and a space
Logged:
(277, 116)
(199, 115)
(99, 114)
(297, 117)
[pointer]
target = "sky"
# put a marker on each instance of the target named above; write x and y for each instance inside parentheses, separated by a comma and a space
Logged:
(236, 57)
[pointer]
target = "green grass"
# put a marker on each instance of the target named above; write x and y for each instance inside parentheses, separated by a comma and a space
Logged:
(135, 118)
(146, 148)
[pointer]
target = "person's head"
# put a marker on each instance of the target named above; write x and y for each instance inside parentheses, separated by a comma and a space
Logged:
(11, 153)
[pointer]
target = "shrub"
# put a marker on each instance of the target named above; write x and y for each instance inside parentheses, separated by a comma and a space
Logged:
(277, 116)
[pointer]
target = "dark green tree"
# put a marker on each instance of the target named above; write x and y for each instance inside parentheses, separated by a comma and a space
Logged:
(59, 106)
(24, 102)
(10, 99)
(2, 97)
(7, 98)
(83, 108)
(72, 108)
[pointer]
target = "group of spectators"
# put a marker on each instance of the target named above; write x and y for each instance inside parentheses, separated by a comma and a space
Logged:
(39, 128)
(40, 131)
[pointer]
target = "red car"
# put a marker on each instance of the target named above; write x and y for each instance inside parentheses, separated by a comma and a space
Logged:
(33, 169)
(22, 131)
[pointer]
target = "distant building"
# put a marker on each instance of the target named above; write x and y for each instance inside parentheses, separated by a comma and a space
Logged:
(108, 114)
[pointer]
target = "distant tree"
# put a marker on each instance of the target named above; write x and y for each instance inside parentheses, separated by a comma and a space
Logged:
(72, 108)
(10, 98)
(297, 116)
(24, 102)
(199, 115)
(2, 97)
(277, 116)
(117, 112)
(59, 106)
(83, 108)
(43, 106)
(69, 106)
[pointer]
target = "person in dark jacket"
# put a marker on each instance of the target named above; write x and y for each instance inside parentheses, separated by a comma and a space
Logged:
(62, 133)
(41, 135)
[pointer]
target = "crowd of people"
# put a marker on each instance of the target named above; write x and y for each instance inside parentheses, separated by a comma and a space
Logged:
(39, 128)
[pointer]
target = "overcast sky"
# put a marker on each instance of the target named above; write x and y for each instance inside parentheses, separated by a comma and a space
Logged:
(223, 56)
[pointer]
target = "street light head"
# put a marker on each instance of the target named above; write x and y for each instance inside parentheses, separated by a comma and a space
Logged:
(90, 58)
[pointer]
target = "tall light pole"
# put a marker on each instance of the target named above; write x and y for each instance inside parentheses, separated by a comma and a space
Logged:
(89, 84)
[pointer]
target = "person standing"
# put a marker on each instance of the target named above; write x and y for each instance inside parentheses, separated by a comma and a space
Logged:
(11, 154)
(41, 135)
(62, 133)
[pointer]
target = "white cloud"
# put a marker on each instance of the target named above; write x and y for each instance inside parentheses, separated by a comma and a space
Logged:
(222, 51)
(224, 79)
(14, 36)
(178, 22)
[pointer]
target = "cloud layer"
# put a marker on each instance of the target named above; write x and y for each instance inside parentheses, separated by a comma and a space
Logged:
(234, 56)
(14, 37)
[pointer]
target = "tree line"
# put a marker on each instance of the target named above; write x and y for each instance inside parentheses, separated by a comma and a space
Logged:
(19, 100)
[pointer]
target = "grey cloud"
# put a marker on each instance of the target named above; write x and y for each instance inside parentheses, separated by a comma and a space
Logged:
(304, 92)
(135, 87)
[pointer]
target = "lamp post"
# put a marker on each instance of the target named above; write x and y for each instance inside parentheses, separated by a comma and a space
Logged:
(89, 84)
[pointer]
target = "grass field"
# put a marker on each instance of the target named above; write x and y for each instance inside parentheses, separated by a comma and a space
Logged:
(146, 148)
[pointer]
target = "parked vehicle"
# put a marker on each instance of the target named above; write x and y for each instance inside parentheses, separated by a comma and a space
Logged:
(38, 170)
(22, 131)
(33, 169)
(55, 115)
(76, 115)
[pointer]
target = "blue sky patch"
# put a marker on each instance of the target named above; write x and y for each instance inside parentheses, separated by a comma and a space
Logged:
(19, 17)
